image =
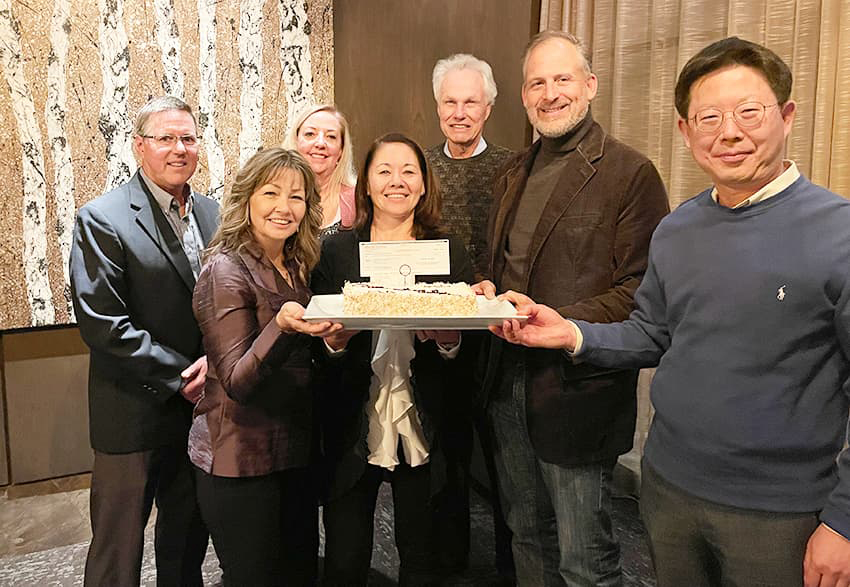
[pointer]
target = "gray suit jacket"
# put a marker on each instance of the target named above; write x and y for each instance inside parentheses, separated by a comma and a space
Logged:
(132, 290)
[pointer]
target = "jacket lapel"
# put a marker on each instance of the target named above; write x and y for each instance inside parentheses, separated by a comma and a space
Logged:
(153, 223)
(577, 172)
(206, 215)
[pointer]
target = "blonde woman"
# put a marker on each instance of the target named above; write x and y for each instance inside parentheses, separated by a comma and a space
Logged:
(321, 134)
(252, 438)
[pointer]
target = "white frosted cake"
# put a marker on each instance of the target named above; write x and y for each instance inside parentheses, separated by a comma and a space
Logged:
(420, 299)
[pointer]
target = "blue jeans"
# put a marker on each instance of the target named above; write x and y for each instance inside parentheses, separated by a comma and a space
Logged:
(559, 515)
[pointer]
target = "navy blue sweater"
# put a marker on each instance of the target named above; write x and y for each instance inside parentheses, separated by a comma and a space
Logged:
(745, 312)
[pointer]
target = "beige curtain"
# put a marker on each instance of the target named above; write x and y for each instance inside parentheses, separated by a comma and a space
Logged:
(639, 46)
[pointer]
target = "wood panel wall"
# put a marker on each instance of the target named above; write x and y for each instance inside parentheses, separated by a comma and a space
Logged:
(45, 376)
(385, 51)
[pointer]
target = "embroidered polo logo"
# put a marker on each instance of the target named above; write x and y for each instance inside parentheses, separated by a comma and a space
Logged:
(780, 293)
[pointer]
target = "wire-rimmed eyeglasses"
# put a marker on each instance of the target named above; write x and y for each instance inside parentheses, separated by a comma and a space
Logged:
(170, 141)
(746, 115)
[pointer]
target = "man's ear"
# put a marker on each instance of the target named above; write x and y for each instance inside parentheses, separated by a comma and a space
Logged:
(789, 113)
(592, 86)
(684, 131)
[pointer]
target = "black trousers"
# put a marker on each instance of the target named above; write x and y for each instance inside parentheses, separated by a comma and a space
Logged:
(451, 504)
(265, 529)
(123, 490)
(349, 528)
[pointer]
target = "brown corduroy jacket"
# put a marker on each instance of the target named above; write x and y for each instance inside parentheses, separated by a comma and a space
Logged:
(586, 258)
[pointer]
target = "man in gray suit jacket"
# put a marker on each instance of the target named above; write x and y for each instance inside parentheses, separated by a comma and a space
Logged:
(135, 258)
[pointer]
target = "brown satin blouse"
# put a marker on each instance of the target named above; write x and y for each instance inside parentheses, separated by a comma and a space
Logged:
(256, 416)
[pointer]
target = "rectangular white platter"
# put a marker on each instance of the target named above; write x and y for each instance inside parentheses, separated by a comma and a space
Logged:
(329, 308)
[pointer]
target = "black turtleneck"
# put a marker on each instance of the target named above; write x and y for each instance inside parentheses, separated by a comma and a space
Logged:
(549, 164)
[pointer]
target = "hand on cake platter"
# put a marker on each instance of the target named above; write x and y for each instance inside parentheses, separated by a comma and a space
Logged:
(444, 338)
(545, 327)
(827, 559)
(289, 319)
(485, 288)
(339, 340)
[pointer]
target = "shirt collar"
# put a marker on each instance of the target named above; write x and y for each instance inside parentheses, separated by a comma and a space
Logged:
(163, 198)
(482, 144)
(785, 179)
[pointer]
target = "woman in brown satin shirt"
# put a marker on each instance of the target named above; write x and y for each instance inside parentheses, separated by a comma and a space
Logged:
(253, 438)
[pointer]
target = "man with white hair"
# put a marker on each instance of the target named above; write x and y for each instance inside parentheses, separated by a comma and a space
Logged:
(466, 167)
(465, 164)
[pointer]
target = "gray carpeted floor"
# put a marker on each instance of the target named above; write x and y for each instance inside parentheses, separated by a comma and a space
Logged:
(63, 566)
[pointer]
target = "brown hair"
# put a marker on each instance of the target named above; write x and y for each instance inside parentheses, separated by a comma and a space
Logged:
(426, 215)
(234, 231)
(733, 51)
(570, 38)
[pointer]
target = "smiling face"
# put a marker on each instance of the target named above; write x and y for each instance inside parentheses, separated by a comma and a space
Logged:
(168, 167)
(276, 208)
(320, 141)
(557, 90)
(740, 161)
(395, 181)
(463, 110)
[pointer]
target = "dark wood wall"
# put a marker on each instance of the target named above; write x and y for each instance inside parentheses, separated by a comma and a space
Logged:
(385, 51)
(45, 375)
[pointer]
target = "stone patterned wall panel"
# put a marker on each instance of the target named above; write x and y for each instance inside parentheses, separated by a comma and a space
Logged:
(74, 72)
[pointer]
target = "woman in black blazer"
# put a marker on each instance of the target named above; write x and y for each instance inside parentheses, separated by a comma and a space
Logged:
(397, 199)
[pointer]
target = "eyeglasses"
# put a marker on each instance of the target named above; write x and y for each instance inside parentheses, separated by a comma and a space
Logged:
(746, 115)
(170, 141)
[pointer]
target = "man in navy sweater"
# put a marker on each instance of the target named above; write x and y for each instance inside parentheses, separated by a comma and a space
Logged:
(745, 309)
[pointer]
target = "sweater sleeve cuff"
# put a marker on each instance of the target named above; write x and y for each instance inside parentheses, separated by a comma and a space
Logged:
(836, 520)
(579, 339)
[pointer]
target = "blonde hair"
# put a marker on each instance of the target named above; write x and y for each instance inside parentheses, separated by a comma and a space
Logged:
(344, 173)
(234, 231)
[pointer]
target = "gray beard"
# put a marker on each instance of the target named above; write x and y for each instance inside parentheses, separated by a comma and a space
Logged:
(560, 128)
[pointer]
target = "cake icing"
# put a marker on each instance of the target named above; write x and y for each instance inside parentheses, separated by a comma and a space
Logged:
(419, 299)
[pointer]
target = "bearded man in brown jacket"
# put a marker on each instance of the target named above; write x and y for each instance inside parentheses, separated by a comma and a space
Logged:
(570, 227)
